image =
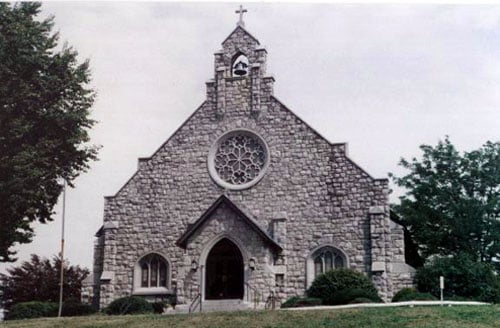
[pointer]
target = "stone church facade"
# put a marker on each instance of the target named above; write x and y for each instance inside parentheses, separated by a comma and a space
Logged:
(245, 199)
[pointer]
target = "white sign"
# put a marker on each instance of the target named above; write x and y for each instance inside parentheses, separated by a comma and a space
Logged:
(441, 282)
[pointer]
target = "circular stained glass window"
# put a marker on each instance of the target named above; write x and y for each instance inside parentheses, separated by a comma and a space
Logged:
(238, 159)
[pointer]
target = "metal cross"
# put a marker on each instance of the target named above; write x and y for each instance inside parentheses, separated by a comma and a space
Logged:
(241, 11)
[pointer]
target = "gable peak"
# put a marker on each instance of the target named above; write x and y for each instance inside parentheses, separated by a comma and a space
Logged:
(239, 33)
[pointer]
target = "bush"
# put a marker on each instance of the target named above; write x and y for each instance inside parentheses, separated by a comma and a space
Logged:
(404, 294)
(35, 309)
(411, 294)
(347, 296)
(129, 305)
(463, 277)
(459, 299)
(360, 300)
(297, 301)
(73, 309)
(172, 300)
(342, 286)
(158, 307)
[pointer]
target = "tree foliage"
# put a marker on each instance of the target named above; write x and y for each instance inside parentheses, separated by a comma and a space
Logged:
(463, 277)
(44, 121)
(452, 203)
(38, 280)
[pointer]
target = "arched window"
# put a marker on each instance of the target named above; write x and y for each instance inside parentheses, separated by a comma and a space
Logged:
(154, 271)
(326, 259)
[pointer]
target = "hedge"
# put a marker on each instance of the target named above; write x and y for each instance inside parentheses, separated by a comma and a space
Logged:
(297, 301)
(129, 305)
(411, 294)
(342, 286)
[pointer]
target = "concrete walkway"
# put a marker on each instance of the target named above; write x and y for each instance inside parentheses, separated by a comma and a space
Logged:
(397, 304)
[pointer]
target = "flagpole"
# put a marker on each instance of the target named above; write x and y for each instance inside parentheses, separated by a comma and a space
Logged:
(62, 251)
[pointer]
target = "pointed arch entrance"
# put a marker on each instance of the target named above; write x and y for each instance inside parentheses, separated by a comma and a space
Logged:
(224, 275)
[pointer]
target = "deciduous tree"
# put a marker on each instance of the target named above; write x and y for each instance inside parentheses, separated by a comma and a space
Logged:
(44, 121)
(38, 280)
(452, 202)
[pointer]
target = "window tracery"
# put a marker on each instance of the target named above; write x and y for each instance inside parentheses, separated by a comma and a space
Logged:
(238, 159)
(153, 271)
(326, 259)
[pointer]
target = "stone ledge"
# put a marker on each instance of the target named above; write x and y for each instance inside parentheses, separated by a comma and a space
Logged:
(378, 266)
(143, 291)
(279, 269)
(376, 210)
(280, 216)
(110, 225)
(107, 276)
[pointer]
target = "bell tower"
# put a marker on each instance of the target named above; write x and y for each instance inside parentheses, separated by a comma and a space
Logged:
(240, 83)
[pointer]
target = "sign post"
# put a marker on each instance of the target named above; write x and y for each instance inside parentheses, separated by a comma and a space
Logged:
(441, 287)
(62, 251)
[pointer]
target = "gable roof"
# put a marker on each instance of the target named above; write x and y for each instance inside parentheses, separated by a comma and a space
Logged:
(239, 27)
(183, 240)
(272, 96)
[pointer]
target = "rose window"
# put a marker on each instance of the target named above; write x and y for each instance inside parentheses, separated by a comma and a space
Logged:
(238, 159)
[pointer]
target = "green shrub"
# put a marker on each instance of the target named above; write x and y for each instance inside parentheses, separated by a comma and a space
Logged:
(463, 277)
(129, 305)
(404, 294)
(360, 300)
(35, 309)
(341, 286)
(73, 309)
(158, 307)
(423, 297)
(459, 299)
(172, 300)
(346, 296)
(411, 294)
(297, 301)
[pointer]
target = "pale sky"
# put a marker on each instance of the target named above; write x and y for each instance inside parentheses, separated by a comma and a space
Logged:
(384, 78)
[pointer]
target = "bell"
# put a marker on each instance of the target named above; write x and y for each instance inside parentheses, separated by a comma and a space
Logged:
(240, 68)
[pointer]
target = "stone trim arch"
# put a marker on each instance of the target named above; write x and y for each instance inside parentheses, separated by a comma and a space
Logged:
(137, 289)
(208, 247)
(310, 260)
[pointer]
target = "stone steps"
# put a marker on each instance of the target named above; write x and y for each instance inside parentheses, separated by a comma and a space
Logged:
(217, 306)
(226, 305)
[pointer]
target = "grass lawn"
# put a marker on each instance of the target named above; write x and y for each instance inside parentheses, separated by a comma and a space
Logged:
(442, 317)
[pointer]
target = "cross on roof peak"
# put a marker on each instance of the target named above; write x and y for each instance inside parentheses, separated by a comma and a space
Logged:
(241, 11)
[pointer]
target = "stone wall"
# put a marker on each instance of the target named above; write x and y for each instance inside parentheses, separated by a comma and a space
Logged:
(324, 197)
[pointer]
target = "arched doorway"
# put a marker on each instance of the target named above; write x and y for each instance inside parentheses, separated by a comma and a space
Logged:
(224, 272)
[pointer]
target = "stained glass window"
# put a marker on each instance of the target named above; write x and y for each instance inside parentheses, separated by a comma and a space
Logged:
(154, 271)
(238, 159)
(325, 259)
